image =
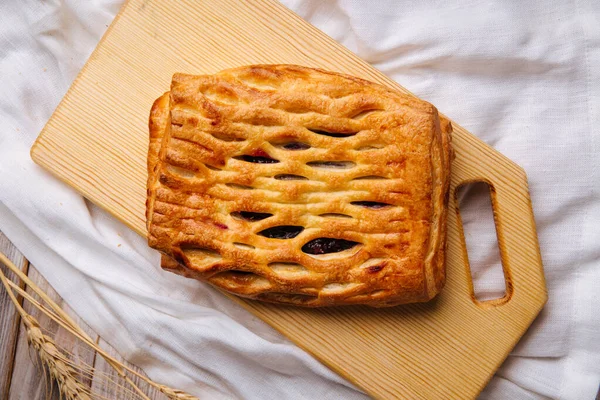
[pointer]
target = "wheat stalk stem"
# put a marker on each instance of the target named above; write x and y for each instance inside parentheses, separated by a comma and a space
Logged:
(17, 271)
(57, 363)
(65, 322)
(171, 393)
(62, 372)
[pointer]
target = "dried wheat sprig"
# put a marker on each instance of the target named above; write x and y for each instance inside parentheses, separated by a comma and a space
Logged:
(119, 367)
(55, 361)
(52, 357)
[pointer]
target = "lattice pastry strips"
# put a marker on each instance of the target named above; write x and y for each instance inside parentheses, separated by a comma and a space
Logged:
(295, 185)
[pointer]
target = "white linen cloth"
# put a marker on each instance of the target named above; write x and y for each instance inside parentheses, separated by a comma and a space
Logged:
(523, 76)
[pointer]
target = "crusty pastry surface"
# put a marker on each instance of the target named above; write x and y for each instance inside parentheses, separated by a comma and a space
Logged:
(295, 185)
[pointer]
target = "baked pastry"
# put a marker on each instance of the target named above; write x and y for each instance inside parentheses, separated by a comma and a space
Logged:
(296, 185)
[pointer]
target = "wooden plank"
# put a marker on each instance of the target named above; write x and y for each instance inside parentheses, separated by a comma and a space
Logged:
(108, 383)
(28, 380)
(9, 318)
(448, 348)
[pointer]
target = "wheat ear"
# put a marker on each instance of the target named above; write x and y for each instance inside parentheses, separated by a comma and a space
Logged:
(54, 360)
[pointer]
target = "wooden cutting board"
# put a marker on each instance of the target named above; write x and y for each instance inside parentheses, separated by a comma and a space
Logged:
(97, 140)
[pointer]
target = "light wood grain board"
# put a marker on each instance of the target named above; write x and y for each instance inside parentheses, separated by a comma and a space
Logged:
(97, 141)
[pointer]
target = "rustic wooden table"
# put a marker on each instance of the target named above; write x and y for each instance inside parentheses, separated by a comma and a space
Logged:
(21, 376)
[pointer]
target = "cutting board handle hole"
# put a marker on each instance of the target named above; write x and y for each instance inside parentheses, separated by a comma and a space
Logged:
(475, 209)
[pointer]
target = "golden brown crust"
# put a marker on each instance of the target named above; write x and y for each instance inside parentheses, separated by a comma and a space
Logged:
(254, 172)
